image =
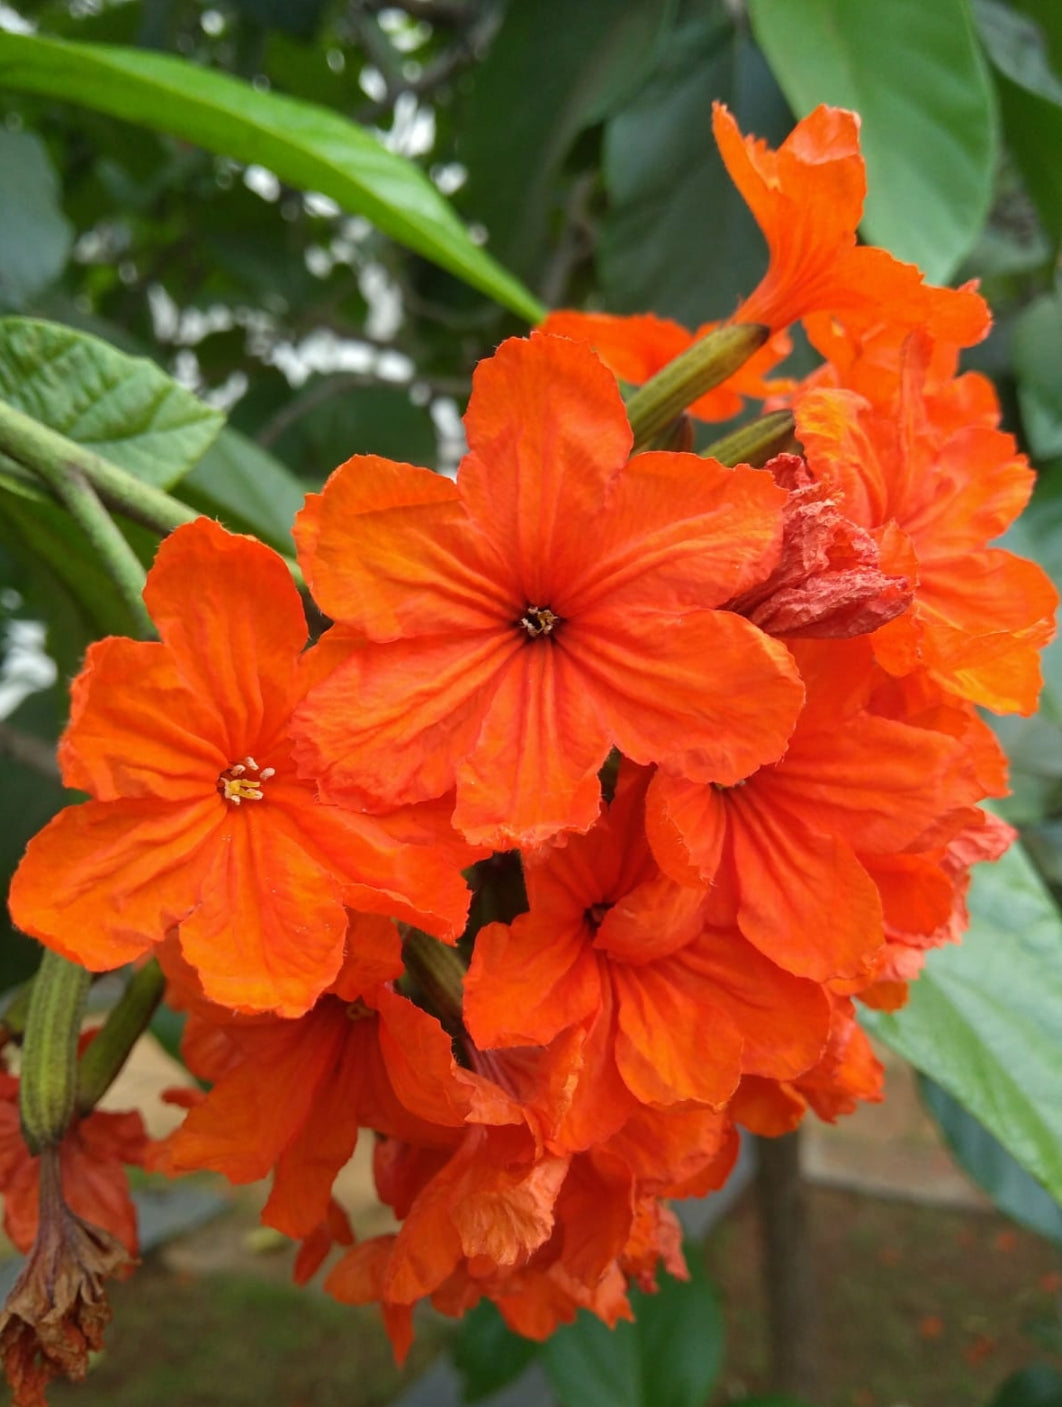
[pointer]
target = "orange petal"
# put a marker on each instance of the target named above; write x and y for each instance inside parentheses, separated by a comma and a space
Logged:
(239, 646)
(269, 931)
(389, 550)
(678, 689)
(136, 729)
(548, 437)
(130, 870)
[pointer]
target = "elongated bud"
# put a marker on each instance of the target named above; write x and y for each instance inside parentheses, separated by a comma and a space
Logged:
(705, 364)
(48, 1083)
(757, 442)
(110, 1047)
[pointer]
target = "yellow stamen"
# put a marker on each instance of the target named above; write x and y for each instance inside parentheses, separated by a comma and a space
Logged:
(237, 785)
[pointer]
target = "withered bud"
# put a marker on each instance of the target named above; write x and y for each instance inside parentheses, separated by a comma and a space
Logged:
(829, 583)
(57, 1311)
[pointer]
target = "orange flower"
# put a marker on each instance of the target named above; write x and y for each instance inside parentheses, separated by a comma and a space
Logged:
(936, 487)
(504, 632)
(199, 818)
(781, 849)
(612, 943)
(807, 198)
(289, 1096)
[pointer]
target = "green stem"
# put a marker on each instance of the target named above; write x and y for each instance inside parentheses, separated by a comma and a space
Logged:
(82, 502)
(705, 364)
(110, 1047)
(47, 453)
(756, 442)
(48, 1082)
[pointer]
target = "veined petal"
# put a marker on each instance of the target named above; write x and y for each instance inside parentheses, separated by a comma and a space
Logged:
(105, 880)
(136, 729)
(240, 643)
(389, 549)
(679, 532)
(705, 693)
(528, 982)
(663, 1047)
(548, 437)
(392, 721)
(533, 769)
(806, 901)
(269, 932)
(252, 1114)
(378, 870)
(784, 1020)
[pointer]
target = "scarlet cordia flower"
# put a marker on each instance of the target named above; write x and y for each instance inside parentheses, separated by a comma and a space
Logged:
(199, 819)
(289, 1096)
(784, 850)
(936, 484)
(807, 198)
(612, 944)
(93, 1157)
(505, 631)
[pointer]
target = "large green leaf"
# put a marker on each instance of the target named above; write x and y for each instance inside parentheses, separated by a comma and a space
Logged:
(573, 62)
(1036, 347)
(35, 235)
(307, 146)
(677, 238)
(124, 408)
(990, 1165)
(669, 1357)
(1031, 99)
(916, 74)
(985, 1018)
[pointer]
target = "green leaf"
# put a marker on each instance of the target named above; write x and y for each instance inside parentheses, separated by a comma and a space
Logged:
(124, 408)
(1030, 95)
(1036, 1386)
(487, 1353)
(984, 1020)
(990, 1165)
(1036, 348)
(328, 421)
(917, 76)
(35, 235)
(304, 145)
(677, 238)
(669, 1357)
(574, 62)
(247, 488)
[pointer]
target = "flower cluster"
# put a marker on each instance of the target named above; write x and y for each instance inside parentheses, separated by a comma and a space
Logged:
(566, 849)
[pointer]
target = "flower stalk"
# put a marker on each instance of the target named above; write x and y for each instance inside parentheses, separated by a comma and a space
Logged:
(112, 1044)
(757, 442)
(705, 364)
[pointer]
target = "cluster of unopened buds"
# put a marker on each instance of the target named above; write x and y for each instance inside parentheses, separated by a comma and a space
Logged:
(564, 852)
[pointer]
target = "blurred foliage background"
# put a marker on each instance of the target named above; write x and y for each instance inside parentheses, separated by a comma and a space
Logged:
(573, 142)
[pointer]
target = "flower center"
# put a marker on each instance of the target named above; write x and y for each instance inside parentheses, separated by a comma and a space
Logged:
(243, 781)
(595, 915)
(538, 620)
